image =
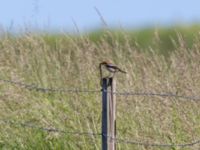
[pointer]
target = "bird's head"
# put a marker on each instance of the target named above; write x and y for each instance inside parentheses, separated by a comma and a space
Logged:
(105, 62)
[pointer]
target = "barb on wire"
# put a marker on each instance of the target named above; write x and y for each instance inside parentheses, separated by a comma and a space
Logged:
(117, 140)
(48, 90)
(27, 125)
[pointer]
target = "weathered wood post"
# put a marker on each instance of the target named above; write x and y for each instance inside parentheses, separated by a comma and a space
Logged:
(108, 113)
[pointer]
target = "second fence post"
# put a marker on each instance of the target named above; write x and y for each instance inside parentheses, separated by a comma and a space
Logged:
(108, 114)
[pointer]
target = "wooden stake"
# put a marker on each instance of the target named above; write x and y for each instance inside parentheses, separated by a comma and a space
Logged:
(108, 114)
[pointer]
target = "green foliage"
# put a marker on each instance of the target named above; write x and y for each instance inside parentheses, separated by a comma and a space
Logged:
(162, 40)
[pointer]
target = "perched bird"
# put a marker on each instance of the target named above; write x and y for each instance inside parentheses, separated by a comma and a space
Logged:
(111, 68)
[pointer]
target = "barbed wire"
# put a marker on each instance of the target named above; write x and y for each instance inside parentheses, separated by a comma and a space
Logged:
(47, 90)
(150, 94)
(28, 125)
(156, 144)
(57, 90)
(117, 140)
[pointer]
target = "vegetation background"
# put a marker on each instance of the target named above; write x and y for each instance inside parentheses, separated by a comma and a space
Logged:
(162, 60)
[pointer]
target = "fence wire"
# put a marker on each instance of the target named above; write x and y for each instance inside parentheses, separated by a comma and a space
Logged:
(164, 95)
(28, 125)
(47, 90)
(74, 90)
(117, 140)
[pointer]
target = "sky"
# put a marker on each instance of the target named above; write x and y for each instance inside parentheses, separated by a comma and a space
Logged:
(67, 14)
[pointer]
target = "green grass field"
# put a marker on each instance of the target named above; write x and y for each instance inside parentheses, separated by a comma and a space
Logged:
(165, 60)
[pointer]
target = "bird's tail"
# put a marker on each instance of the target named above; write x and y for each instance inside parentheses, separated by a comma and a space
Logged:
(122, 71)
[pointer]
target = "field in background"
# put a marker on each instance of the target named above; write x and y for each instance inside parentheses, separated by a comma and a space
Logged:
(157, 60)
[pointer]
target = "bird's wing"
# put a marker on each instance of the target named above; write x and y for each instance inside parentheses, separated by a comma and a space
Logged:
(112, 66)
(115, 67)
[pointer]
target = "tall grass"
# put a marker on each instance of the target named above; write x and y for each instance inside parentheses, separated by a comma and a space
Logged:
(67, 61)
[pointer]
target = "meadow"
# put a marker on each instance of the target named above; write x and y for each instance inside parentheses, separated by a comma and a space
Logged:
(163, 60)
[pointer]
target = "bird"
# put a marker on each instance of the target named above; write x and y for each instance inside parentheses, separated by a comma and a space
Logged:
(110, 67)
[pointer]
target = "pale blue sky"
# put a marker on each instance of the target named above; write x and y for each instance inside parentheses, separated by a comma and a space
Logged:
(58, 14)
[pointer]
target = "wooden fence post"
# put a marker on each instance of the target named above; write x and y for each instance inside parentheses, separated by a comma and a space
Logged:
(108, 113)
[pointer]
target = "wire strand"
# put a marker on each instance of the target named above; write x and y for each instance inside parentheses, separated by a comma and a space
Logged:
(117, 140)
(27, 125)
(56, 90)
(156, 144)
(47, 90)
(151, 94)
